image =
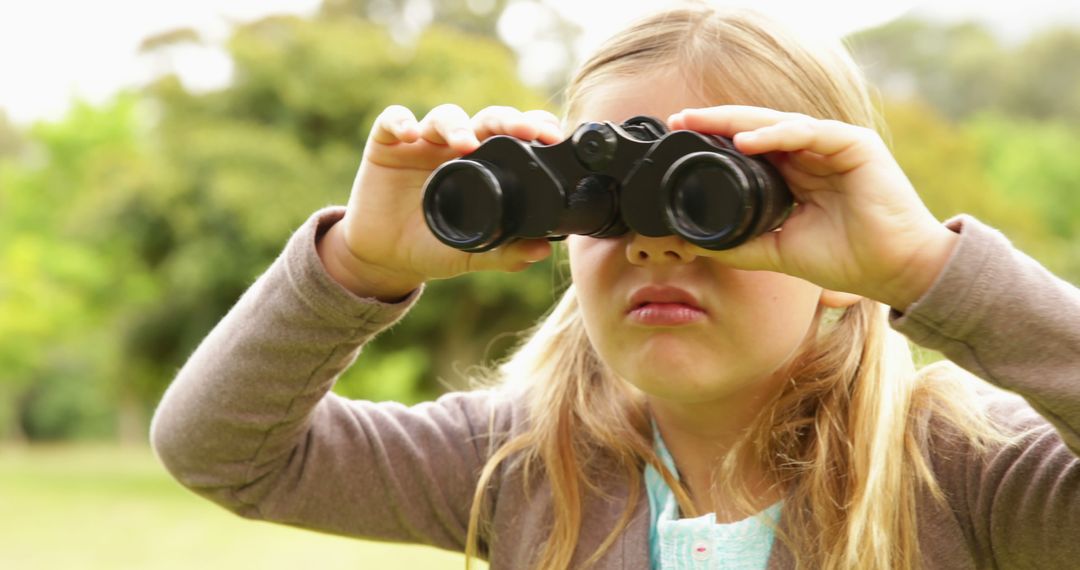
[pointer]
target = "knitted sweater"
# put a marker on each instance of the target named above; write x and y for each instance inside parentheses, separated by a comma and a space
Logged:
(249, 423)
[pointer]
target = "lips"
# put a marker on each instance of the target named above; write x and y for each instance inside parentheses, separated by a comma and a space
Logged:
(662, 295)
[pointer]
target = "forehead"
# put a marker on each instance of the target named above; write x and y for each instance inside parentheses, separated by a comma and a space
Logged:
(659, 94)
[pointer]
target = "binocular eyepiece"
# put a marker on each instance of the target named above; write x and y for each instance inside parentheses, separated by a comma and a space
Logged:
(603, 181)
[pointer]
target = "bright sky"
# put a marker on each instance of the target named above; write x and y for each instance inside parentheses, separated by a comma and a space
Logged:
(52, 51)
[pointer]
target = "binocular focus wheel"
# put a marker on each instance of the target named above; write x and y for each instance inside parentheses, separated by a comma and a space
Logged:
(594, 145)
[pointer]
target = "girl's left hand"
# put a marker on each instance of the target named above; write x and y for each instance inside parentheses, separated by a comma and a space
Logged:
(859, 226)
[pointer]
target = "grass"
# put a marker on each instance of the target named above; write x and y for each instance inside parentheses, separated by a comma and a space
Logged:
(102, 507)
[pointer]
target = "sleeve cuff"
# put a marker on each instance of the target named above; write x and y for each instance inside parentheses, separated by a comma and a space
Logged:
(325, 296)
(956, 299)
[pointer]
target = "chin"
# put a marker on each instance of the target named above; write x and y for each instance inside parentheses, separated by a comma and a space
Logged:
(689, 377)
(671, 355)
(672, 381)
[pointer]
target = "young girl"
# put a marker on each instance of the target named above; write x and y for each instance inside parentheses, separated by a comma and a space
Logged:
(679, 407)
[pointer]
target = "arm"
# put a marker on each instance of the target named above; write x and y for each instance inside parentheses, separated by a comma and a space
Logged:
(860, 228)
(1002, 316)
(249, 422)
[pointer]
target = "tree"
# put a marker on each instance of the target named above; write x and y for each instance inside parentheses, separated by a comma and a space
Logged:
(474, 17)
(144, 219)
(958, 168)
(11, 140)
(58, 285)
(1043, 79)
(549, 43)
(956, 68)
(1034, 164)
(244, 166)
(962, 70)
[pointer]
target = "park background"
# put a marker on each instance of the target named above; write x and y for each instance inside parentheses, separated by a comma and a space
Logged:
(130, 223)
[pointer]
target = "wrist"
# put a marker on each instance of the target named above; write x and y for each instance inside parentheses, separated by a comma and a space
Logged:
(925, 268)
(357, 276)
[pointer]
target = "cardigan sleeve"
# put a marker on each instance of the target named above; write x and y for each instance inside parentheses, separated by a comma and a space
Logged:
(250, 422)
(1002, 316)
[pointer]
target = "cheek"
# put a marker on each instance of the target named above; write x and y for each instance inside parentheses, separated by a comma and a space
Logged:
(594, 268)
(777, 312)
(593, 262)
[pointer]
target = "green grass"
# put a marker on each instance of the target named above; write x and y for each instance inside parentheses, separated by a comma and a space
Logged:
(99, 507)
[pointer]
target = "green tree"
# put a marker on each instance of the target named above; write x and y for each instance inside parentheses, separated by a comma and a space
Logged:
(952, 166)
(956, 68)
(11, 140)
(407, 18)
(1043, 79)
(962, 70)
(57, 284)
(1034, 164)
(242, 167)
(476, 17)
(995, 126)
(142, 221)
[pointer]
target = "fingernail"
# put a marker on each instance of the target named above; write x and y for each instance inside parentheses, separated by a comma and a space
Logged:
(747, 137)
(402, 127)
(461, 136)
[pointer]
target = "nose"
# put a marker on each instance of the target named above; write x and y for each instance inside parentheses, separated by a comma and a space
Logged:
(665, 250)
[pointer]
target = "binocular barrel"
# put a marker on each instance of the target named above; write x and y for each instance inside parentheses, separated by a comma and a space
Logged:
(603, 181)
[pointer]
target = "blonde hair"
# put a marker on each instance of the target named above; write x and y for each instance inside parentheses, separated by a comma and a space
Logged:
(851, 425)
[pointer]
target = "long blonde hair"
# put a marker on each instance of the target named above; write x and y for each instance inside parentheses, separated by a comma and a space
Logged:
(850, 425)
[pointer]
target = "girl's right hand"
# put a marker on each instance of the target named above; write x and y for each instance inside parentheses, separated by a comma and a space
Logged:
(383, 248)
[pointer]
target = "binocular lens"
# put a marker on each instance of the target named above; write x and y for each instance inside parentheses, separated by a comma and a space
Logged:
(707, 200)
(466, 209)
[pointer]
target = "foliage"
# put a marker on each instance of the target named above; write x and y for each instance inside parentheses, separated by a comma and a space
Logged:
(987, 128)
(949, 169)
(60, 287)
(11, 141)
(963, 70)
(142, 221)
(128, 229)
(1034, 164)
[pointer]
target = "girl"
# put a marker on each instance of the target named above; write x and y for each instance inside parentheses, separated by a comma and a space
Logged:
(679, 407)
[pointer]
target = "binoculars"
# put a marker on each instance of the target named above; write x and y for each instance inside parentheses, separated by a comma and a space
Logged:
(603, 181)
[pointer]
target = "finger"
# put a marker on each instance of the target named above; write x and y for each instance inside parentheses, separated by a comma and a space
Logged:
(843, 146)
(810, 163)
(500, 120)
(530, 125)
(800, 182)
(728, 120)
(758, 254)
(395, 124)
(449, 125)
(550, 126)
(513, 256)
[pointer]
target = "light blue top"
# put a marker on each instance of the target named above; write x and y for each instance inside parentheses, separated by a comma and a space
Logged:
(701, 543)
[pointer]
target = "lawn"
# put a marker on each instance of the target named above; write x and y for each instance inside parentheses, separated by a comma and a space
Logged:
(100, 507)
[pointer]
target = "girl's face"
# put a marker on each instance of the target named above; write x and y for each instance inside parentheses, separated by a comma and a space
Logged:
(681, 327)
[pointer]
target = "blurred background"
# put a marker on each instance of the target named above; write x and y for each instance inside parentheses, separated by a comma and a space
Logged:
(155, 157)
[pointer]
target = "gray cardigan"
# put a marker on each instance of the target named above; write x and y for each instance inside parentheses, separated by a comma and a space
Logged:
(249, 422)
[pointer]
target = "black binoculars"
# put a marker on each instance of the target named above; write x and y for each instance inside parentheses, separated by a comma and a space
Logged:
(603, 181)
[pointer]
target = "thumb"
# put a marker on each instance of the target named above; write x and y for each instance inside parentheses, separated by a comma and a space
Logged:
(513, 256)
(759, 254)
